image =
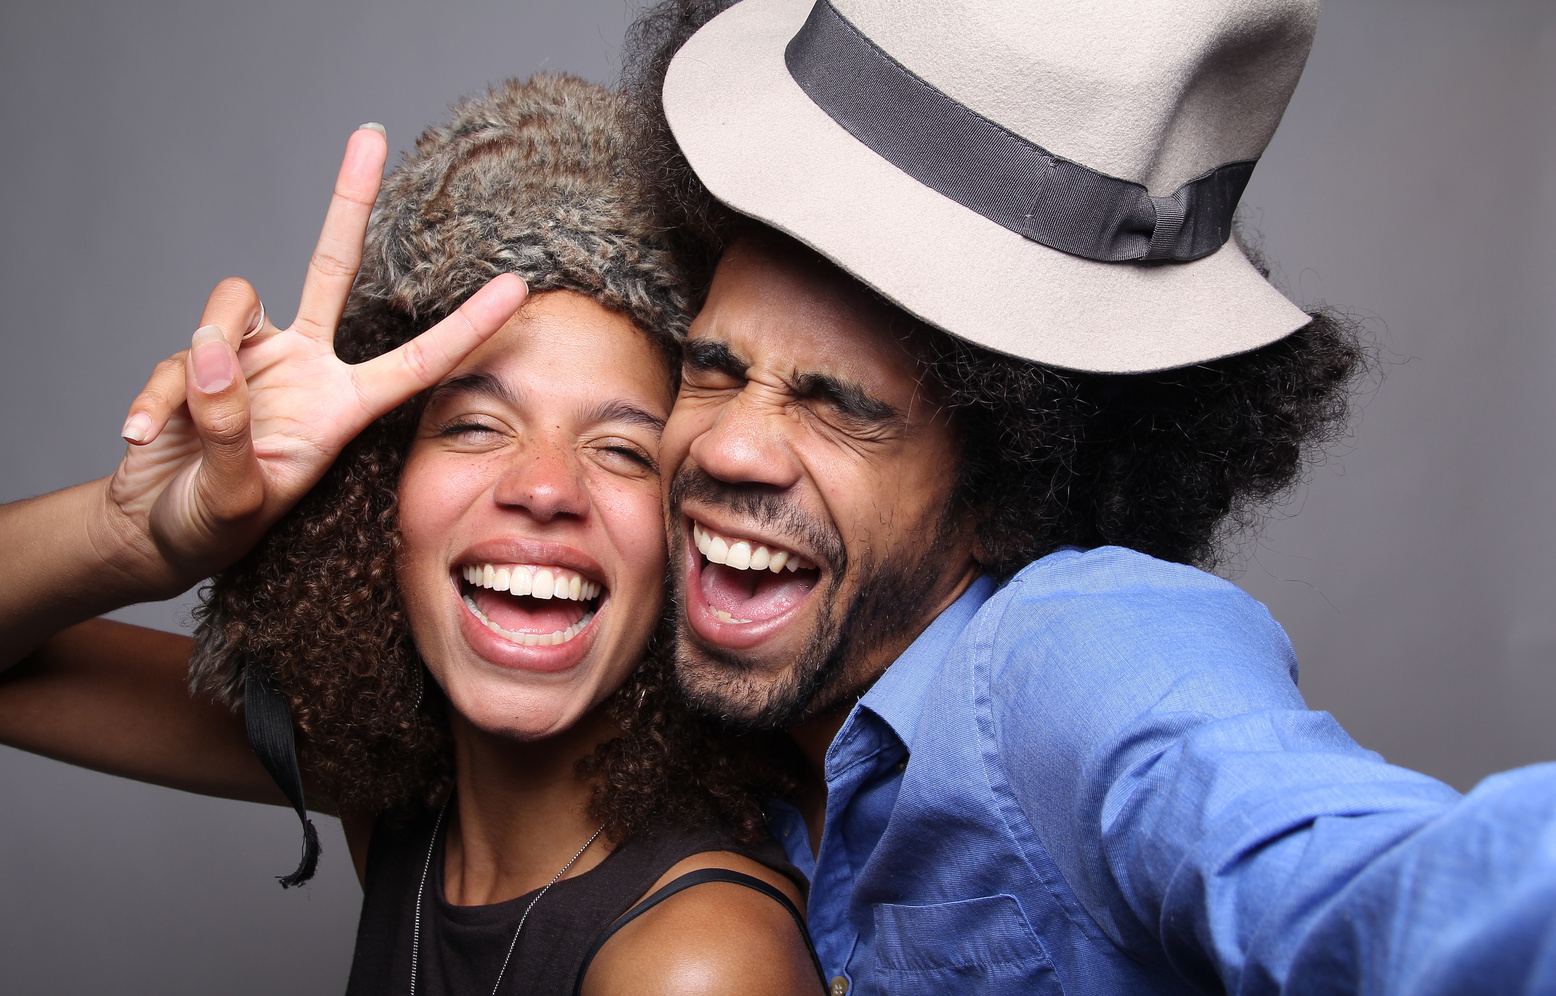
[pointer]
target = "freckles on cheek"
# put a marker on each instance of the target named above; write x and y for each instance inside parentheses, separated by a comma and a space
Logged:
(634, 521)
(433, 495)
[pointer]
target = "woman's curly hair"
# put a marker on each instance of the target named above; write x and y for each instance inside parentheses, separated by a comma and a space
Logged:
(1167, 463)
(532, 178)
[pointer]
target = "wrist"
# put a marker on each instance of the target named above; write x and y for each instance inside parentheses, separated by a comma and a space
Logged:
(67, 560)
(124, 556)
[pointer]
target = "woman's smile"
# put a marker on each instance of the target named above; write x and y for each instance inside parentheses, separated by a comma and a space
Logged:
(525, 603)
(533, 557)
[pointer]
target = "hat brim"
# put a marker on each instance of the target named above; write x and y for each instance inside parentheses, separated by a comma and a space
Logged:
(763, 147)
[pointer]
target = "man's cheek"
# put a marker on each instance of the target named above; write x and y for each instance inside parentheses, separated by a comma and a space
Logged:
(676, 441)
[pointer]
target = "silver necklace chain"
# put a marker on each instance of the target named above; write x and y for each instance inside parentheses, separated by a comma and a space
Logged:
(422, 888)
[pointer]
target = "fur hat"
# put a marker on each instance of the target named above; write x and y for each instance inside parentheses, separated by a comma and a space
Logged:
(532, 178)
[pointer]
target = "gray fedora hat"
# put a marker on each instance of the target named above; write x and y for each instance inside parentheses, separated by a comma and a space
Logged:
(1054, 179)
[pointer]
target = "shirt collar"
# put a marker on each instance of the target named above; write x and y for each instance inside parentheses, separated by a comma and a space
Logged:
(898, 697)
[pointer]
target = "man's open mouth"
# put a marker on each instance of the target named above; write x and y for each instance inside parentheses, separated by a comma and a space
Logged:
(749, 581)
(535, 605)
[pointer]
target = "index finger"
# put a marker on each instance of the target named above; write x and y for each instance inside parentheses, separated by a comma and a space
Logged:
(387, 380)
(335, 260)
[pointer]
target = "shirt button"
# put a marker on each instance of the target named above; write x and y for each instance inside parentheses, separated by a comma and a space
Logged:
(839, 986)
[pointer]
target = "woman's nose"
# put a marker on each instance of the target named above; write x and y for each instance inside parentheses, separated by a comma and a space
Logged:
(543, 481)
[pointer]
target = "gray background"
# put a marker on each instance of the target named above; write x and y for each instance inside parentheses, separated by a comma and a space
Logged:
(151, 149)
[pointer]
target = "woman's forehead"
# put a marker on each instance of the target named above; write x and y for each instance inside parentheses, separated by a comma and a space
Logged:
(565, 344)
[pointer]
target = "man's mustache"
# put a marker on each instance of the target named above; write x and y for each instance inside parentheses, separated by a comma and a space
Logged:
(765, 507)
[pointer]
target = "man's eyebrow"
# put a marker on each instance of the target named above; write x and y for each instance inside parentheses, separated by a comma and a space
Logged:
(624, 412)
(848, 398)
(710, 354)
(474, 383)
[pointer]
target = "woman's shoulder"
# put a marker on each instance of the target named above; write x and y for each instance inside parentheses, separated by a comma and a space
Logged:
(715, 933)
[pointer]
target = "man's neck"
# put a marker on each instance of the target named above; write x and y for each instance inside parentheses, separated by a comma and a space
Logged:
(814, 736)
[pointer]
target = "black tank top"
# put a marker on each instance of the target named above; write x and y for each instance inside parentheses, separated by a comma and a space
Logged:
(462, 947)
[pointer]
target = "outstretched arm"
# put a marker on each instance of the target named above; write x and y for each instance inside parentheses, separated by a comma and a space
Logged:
(1151, 733)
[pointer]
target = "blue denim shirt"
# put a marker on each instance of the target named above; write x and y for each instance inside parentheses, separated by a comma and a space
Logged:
(1100, 779)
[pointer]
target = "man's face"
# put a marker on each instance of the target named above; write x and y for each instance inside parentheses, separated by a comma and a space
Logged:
(808, 504)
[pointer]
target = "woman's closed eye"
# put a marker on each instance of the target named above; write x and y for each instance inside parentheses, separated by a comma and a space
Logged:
(622, 456)
(471, 429)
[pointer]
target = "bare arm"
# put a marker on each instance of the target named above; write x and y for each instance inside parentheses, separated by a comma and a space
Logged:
(113, 697)
(58, 570)
(711, 939)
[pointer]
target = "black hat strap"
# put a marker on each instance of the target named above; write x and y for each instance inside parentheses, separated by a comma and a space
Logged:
(987, 168)
(269, 719)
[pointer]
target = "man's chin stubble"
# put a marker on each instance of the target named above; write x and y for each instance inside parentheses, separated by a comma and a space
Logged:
(722, 684)
(838, 663)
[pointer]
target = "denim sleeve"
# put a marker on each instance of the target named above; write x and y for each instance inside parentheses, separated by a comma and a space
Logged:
(1150, 731)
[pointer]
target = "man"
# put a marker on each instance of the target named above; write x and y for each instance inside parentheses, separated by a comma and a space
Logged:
(1098, 777)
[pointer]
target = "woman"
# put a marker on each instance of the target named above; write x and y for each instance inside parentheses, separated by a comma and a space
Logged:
(516, 819)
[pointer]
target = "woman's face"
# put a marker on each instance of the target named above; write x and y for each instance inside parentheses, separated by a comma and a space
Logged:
(533, 560)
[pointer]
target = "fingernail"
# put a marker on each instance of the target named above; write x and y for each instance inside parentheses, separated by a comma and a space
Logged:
(373, 126)
(136, 427)
(212, 359)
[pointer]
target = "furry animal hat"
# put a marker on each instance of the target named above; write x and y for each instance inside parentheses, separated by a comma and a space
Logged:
(532, 178)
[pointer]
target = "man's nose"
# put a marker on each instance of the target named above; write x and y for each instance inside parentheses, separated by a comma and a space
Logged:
(545, 481)
(748, 443)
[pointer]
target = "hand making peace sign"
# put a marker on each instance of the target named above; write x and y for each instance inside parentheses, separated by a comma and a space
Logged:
(231, 433)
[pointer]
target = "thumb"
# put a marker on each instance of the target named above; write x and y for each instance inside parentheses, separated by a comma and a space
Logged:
(229, 484)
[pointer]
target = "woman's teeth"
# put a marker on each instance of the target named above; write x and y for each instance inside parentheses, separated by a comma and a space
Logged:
(536, 582)
(531, 639)
(744, 555)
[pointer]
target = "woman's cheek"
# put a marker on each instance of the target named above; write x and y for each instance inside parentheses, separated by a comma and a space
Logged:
(634, 519)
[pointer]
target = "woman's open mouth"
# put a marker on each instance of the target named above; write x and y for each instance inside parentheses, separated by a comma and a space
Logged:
(531, 605)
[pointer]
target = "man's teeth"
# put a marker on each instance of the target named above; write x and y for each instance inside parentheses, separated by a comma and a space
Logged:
(743, 555)
(534, 581)
(530, 639)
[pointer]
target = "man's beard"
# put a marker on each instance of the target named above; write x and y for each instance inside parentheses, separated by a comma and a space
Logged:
(889, 602)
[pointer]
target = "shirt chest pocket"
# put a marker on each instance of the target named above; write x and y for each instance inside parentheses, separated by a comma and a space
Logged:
(982, 945)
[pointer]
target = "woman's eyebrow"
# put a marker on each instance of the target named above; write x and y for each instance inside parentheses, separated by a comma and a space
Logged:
(474, 383)
(620, 412)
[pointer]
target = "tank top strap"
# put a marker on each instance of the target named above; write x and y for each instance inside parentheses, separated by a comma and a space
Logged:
(463, 947)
